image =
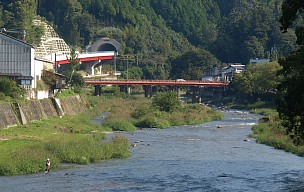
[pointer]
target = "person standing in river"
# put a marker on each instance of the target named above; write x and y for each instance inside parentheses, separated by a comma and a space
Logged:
(47, 166)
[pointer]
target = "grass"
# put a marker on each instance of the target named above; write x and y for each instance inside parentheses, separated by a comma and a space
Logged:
(273, 134)
(70, 139)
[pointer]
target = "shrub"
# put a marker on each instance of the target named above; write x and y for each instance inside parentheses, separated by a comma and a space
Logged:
(120, 125)
(166, 101)
(153, 122)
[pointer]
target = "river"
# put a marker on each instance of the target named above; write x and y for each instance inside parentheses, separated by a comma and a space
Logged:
(207, 157)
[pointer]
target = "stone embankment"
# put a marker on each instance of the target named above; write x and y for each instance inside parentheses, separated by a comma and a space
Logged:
(13, 114)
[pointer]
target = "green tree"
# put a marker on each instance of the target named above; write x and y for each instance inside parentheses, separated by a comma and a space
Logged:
(192, 64)
(11, 89)
(250, 30)
(73, 66)
(1, 15)
(50, 79)
(291, 106)
(18, 15)
(6, 85)
(166, 101)
(77, 80)
(259, 81)
(132, 73)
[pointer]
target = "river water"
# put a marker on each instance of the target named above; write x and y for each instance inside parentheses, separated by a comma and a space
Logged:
(207, 157)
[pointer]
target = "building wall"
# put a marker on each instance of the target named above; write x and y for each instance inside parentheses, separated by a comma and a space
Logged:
(15, 56)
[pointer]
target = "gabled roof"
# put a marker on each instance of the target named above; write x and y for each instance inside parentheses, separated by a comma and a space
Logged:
(15, 39)
(239, 67)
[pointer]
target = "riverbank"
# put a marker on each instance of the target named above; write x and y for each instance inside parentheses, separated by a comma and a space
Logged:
(75, 139)
(269, 131)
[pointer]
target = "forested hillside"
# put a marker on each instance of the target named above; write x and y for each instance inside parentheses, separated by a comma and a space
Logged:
(160, 30)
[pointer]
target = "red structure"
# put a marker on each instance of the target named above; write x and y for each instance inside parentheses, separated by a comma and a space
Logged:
(84, 57)
(158, 82)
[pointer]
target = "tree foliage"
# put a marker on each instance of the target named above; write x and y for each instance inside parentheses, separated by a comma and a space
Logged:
(259, 81)
(18, 15)
(50, 79)
(233, 31)
(291, 106)
(191, 64)
(251, 30)
(166, 101)
(10, 89)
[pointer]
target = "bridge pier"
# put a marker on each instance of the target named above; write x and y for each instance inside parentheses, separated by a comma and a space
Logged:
(97, 91)
(148, 90)
(218, 92)
(154, 90)
(129, 89)
(177, 91)
(196, 95)
(89, 67)
(125, 89)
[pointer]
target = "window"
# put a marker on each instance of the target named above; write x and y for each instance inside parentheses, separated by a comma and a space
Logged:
(26, 82)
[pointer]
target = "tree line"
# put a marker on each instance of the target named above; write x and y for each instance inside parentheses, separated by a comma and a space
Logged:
(161, 31)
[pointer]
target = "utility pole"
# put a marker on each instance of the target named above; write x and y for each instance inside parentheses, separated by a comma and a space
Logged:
(127, 58)
(115, 64)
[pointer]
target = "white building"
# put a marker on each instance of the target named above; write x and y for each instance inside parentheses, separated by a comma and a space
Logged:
(229, 71)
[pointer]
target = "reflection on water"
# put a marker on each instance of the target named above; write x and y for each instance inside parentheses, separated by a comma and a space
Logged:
(207, 157)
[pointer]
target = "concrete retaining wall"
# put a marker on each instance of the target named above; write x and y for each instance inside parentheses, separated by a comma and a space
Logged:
(73, 105)
(8, 117)
(25, 112)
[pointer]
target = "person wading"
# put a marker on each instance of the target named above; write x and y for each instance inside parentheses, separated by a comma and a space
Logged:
(47, 166)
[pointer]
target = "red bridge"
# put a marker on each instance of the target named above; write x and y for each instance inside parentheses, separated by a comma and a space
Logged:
(158, 82)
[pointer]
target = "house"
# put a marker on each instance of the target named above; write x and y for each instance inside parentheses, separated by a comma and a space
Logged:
(17, 61)
(258, 61)
(228, 72)
(210, 74)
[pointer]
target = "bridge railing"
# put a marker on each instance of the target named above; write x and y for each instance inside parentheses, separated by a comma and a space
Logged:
(157, 82)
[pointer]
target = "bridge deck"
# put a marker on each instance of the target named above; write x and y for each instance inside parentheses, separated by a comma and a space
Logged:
(158, 82)
(83, 57)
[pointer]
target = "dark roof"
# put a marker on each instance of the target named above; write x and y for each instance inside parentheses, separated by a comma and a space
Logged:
(13, 38)
(236, 67)
(60, 75)
(17, 75)
(25, 78)
(11, 74)
(57, 74)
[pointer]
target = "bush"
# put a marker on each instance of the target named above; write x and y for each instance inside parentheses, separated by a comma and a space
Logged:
(120, 125)
(11, 89)
(153, 122)
(41, 85)
(166, 101)
(141, 111)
